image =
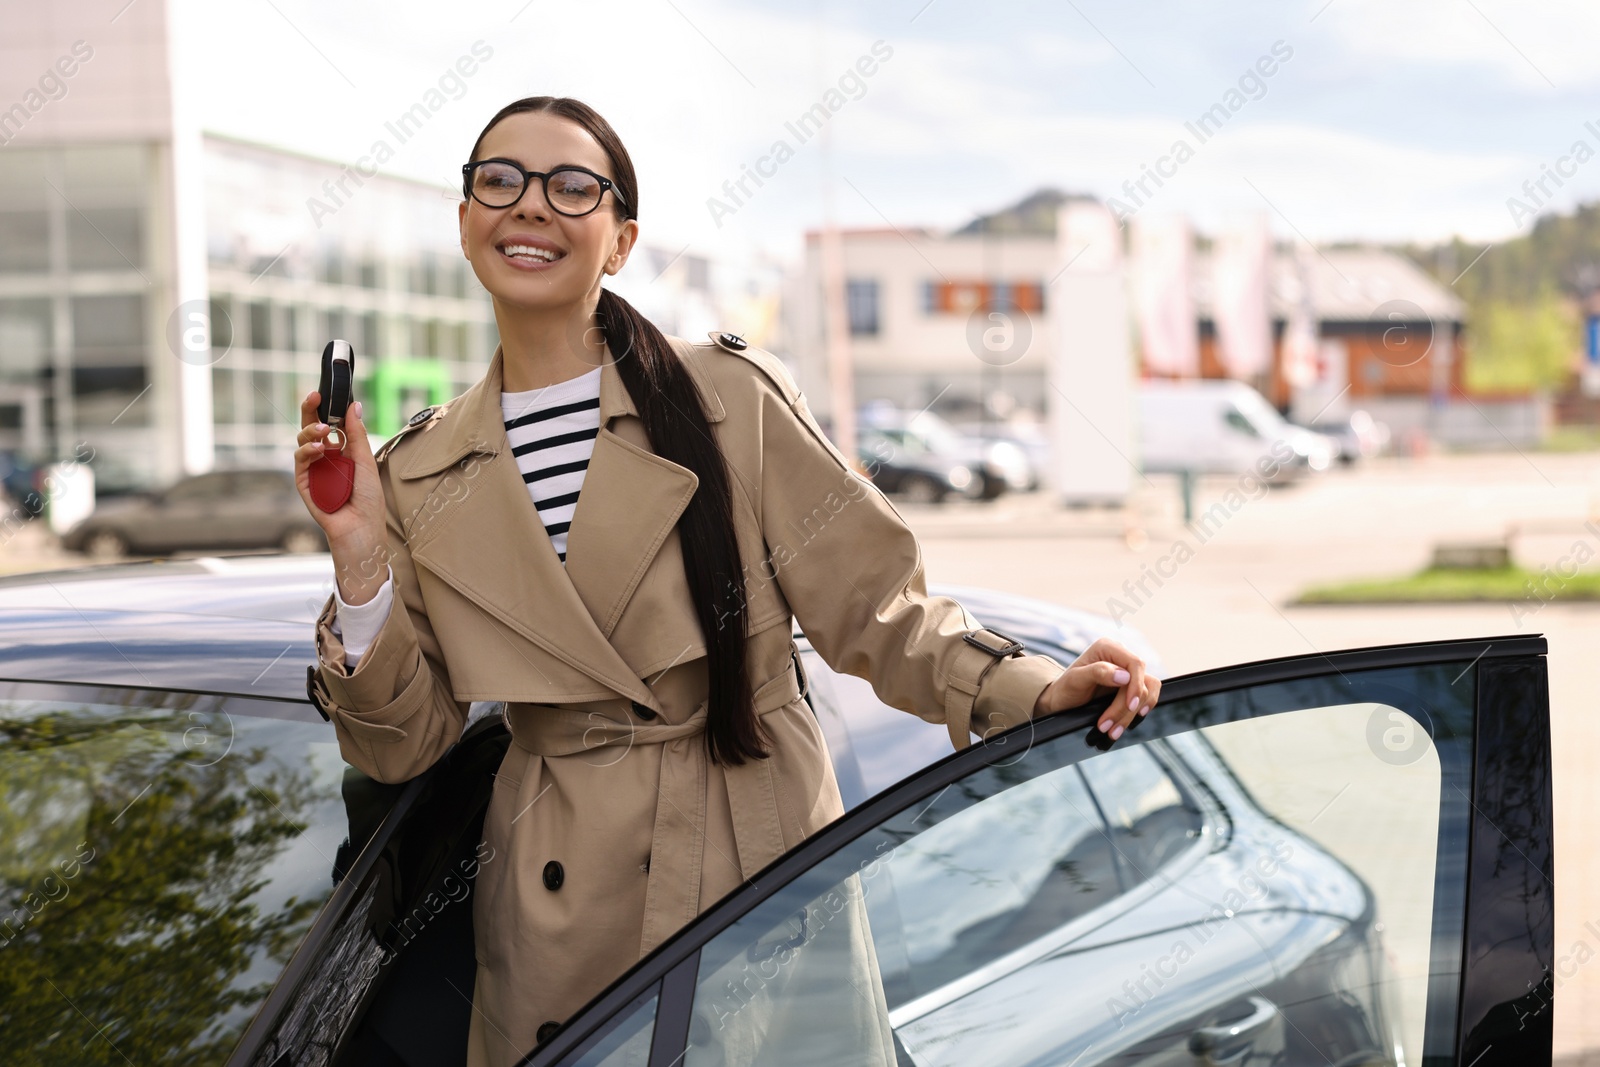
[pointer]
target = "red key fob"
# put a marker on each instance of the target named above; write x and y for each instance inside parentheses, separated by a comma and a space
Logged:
(333, 474)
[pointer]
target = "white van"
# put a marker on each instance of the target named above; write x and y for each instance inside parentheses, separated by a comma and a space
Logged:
(1215, 426)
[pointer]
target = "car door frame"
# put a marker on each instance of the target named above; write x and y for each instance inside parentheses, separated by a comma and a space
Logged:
(1504, 983)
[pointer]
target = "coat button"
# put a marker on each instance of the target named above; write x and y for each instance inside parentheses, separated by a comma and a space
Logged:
(542, 1034)
(553, 875)
(644, 711)
(732, 340)
(422, 416)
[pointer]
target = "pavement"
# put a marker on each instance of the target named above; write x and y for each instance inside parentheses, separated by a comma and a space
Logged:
(1219, 593)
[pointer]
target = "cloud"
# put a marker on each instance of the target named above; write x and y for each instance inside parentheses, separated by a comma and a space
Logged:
(1363, 134)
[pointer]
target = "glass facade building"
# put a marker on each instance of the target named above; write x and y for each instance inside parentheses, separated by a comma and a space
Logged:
(79, 273)
(292, 265)
(90, 344)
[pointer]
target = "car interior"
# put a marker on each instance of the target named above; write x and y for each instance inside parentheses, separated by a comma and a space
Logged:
(418, 1008)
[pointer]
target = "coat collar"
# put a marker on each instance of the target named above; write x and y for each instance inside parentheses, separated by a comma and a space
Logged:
(497, 553)
(475, 423)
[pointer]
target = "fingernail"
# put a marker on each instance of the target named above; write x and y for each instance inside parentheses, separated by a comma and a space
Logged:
(356, 407)
(321, 426)
(1133, 703)
(1116, 733)
(1105, 726)
(1144, 710)
(1119, 677)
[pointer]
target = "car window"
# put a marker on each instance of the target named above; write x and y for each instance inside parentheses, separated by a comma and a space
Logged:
(201, 487)
(161, 856)
(1213, 891)
(1151, 821)
(937, 433)
(988, 879)
(1238, 421)
(625, 1043)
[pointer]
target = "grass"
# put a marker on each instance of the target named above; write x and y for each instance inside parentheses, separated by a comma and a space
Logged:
(1577, 438)
(1451, 584)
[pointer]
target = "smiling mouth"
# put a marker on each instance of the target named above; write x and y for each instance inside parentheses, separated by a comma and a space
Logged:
(530, 253)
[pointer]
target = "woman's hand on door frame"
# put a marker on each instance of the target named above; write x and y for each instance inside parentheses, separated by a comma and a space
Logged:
(1104, 667)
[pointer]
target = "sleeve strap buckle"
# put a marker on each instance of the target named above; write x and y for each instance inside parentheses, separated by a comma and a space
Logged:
(316, 692)
(1011, 647)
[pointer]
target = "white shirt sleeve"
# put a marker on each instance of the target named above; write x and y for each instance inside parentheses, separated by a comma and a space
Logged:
(355, 625)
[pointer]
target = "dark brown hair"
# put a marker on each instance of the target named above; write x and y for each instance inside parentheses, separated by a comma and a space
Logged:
(674, 421)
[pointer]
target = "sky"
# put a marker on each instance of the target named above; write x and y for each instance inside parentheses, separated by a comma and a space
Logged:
(1380, 120)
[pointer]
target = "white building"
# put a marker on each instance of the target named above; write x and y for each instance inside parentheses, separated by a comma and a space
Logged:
(962, 318)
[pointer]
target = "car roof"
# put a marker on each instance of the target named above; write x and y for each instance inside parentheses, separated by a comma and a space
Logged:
(245, 623)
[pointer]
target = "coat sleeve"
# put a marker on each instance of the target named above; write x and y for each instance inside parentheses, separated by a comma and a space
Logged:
(394, 712)
(852, 572)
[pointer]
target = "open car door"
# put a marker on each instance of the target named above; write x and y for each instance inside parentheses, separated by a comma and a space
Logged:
(1333, 859)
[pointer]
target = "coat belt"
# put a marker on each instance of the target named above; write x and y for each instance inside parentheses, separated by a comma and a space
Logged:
(678, 843)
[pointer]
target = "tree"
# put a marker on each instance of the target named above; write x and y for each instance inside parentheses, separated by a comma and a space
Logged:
(1518, 345)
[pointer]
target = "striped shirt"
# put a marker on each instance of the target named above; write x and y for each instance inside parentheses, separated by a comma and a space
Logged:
(552, 433)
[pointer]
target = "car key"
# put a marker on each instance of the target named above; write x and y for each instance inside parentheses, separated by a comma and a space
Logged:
(333, 473)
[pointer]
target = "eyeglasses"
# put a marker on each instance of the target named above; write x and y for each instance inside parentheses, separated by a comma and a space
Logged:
(569, 190)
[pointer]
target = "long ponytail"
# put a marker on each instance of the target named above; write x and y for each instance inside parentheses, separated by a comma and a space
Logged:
(669, 406)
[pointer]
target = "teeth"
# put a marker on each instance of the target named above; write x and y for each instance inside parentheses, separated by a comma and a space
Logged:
(529, 250)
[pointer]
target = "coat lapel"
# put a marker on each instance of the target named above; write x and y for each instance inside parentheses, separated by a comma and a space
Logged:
(497, 553)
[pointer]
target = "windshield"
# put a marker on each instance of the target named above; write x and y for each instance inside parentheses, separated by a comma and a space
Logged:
(1261, 414)
(940, 435)
(161, 856)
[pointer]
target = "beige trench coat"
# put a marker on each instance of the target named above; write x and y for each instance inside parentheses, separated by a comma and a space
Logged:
(602, 664)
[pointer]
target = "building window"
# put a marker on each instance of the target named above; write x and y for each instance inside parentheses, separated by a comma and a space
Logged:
(861, 302)
(25, 333)
(109, 238)
(260, 327)
(223, 408)
(221, 326)
(963, 298)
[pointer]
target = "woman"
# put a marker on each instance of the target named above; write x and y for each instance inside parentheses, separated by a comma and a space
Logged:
(639, 633)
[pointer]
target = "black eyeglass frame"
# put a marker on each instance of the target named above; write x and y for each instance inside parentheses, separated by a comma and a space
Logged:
(467, 170)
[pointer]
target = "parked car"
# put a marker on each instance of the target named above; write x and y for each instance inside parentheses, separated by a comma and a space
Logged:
(1030, 438)
(1356, 436)
(17, 477)
(230, 509)
(998, 466)
(195, 876)
(1223, 427)
(905, 466)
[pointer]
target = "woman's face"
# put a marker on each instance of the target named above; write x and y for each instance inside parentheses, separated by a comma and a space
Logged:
(585, 247)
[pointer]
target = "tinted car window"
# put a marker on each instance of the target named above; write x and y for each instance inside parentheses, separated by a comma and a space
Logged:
(161, 855)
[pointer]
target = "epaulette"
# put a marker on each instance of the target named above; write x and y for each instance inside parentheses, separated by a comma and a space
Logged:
(421, 417)
(769, 364)
(788, 388)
